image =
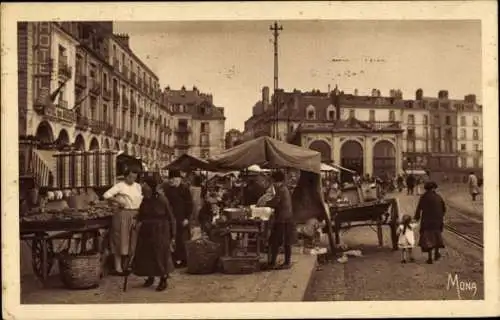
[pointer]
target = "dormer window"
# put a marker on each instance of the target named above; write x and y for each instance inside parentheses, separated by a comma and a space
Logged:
(330, 113)
(311, 113)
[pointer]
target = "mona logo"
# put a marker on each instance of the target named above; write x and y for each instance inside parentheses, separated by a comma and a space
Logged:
(461, 286)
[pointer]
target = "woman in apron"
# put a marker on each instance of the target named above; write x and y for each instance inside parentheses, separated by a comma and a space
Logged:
(127, 195)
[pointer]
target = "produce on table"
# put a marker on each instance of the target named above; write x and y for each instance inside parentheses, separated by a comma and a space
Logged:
(99, 210)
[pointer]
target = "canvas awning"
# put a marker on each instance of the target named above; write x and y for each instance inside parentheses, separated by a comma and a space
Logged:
(187, 162)
(327, 168)
(343, 169)
(268, 152)
(123, 160)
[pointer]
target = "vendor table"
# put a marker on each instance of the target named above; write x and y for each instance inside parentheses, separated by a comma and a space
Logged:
(246, 231)
(370, 213)
(43, 233)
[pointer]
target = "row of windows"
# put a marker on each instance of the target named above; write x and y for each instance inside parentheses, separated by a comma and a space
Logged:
(330, 114)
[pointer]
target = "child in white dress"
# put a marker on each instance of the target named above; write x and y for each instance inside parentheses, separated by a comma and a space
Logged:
(406, 238)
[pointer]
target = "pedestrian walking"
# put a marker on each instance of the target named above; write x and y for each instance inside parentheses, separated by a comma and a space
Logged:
(473, 186)
(410, 183)
(283, 228)
(181, 201)
(127, 195)
(400, 183)
(156, 237)
(406, 238)
(430, 212)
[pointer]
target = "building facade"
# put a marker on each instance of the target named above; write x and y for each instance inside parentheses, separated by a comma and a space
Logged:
(373, 134)
(233, 137)
(80, 84)
(197, 123)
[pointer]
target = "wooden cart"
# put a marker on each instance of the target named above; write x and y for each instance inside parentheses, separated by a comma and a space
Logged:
(42, 235)
(378, 213)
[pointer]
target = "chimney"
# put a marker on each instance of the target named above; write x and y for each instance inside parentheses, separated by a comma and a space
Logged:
(378, 93)
(470, 98)
(355, 92)
(335, 99)
(419, 95)
(328, 87)
(374, 92)
(265, 98)
(443, 94)
(392, 93)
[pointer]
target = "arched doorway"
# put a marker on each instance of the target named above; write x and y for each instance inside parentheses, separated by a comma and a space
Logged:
(79, 143)
(384, 159)
(44, 132)
(106, 144)
(323, 148)
(351, 157)
(94, 144)
(63, 138)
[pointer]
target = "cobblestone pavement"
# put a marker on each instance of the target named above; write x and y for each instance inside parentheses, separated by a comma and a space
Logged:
(457, 196)
(379, 275)
(285, 285)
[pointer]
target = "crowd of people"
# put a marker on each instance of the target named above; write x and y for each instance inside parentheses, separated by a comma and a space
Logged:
(149, 234)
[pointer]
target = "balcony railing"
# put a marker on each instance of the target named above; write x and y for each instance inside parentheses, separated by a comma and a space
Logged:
(81, 80)
(109, 130)
(63, 68)
(106, 94)
(95, 87)
(97, 126)
(58, 112)
(82, 123)
(385, 125)
(182, 143)
(183, 130)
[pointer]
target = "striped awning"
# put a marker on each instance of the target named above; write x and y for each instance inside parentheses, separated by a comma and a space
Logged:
(44, 166)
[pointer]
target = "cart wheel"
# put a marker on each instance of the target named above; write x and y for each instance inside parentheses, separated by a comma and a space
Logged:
(37, 254)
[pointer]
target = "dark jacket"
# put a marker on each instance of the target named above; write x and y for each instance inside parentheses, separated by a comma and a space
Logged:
(282, 204)
(411, 181)
(431, 209)
(181, 201)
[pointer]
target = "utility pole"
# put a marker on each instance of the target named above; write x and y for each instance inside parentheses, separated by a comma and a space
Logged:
(275, 29)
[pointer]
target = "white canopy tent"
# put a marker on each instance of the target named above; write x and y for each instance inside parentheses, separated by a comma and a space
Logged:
(327, 168)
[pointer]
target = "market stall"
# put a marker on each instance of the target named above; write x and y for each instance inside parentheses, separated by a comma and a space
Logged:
(307, 198)
(61, 216)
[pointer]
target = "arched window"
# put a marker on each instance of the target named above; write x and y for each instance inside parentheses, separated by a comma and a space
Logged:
(311, 113)
(330, 113)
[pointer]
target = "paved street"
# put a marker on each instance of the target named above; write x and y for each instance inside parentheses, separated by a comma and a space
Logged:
(285, 285)
(379, 275)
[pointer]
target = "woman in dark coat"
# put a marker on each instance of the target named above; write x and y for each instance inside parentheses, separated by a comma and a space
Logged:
(155, 239)
(430, 210)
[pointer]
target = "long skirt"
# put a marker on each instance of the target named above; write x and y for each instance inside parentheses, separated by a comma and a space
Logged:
(120, 232)
(430, 239)
(153, 257)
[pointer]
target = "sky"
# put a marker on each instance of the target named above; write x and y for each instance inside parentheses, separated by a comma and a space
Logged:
(233, 60)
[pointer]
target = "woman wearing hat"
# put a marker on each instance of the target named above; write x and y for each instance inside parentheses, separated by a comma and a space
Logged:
(155, 238)
(430, 210)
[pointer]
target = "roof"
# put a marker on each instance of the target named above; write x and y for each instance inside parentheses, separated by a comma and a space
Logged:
(187, 162)
(136, 58)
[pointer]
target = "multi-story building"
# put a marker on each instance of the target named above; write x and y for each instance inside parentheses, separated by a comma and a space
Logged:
(374, 134)
(198, 124)
(81, 84)
(359, 132)
(233, 137)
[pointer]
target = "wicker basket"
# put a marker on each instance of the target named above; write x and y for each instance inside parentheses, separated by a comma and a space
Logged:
(240, 265)
(202, 256)
(80, 271)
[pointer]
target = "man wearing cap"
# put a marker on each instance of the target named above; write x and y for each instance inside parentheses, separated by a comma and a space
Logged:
(181, 201)
(283, 227)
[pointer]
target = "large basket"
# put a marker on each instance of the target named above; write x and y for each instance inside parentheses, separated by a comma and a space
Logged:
(80, 271)
(240, 265)
(202, 256)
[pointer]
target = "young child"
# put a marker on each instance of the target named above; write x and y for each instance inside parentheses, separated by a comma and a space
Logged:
(406, 238)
